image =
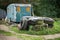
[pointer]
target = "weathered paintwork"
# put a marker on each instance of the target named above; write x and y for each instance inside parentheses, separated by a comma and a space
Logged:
(16, 11)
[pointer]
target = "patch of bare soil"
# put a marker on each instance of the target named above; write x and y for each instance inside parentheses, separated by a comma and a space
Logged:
(5, 28)
(2, 37)
(51, 36)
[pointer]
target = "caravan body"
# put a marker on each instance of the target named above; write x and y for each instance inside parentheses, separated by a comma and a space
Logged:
(15, 12)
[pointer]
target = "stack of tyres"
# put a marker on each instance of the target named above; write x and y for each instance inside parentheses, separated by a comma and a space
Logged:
(23, 25)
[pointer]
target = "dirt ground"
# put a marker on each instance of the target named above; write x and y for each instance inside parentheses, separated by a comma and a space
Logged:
(5, 28)
(3, 37)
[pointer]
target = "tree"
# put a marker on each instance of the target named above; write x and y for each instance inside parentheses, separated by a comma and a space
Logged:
(45, 8)
(58, 8)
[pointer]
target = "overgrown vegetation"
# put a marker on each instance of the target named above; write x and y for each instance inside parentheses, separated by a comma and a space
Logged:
(5, 33)
(45, 8)
(54, 30)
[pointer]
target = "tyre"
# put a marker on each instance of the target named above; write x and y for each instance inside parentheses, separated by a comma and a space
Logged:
(25, 25)
(50, 25)
(22, 25)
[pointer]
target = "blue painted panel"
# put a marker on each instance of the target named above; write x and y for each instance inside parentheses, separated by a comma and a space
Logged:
(19, 15)
(22, 13)
(25, 13)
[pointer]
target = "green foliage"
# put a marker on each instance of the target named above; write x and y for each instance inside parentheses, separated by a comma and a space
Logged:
(45, 8)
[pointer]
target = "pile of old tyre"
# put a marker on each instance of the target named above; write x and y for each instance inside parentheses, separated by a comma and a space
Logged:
(37, 24)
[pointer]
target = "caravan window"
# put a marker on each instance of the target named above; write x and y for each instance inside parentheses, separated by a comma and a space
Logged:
(28, 9)
(18, 8)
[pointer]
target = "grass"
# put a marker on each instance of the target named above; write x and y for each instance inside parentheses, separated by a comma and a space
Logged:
(5, 33)
(54, 30)
(21, 36)
(55, 39)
